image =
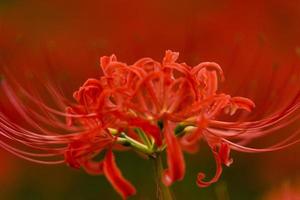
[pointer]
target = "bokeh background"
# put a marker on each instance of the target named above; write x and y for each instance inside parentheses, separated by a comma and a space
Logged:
(257, 43)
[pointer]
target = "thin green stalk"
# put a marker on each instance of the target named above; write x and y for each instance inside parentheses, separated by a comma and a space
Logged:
(134, 144)
(162, 192)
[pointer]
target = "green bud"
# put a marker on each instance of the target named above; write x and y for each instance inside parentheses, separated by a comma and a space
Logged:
(113, 131)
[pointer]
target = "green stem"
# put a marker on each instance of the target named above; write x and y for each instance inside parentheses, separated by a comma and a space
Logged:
(162, 192)
(134, 144)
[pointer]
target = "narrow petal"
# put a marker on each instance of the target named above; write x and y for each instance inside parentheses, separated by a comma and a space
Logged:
(243, 103)
(222, 156)
(105, 61)
(209, 66)
(170, 57)
(115, 177)
(70, 158)
(200, 182)
(175, 158)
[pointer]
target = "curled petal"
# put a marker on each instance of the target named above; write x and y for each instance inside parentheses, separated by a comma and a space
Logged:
(71, 160)
(88, 94)
(218, 106)
(80, 151)
(114, 176)
(221, 157)
(201, 183)
(147, 64)
(106, 60)
(211, 83)
(224, 154)
(170, 57)
(243, 103)
(211, 66)
(175, 158)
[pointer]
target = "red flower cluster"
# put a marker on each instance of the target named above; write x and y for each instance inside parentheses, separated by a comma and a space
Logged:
(182, 99)
(149, 107)
(147, 93)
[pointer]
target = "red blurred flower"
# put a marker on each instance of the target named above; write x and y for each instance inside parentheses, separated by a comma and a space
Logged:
(286, 191)
(149, 107)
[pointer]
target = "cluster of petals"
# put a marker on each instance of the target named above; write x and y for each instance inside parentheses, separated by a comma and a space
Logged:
(173, 104)
(176, 95)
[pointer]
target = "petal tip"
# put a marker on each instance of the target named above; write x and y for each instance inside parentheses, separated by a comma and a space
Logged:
(170, 56)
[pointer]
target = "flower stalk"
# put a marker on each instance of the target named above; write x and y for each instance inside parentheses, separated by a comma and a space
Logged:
(162, 191)
(126, 140)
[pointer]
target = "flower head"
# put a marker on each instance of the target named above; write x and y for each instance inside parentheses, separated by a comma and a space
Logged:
(150, 107)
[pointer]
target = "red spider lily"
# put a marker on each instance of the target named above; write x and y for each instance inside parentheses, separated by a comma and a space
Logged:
(148, 107)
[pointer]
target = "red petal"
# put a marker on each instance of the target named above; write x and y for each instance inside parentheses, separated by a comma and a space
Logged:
(114, 176)
(92, 167)
(105, 61)
(190, 142)
(170, 57)
(209, 66)
(70, 160)
(243, 103)
(175, 158)
(69, 120)
(221, 157)
(224, 154)
(219, 169)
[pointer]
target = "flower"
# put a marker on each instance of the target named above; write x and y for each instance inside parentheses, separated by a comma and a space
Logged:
(150, 107)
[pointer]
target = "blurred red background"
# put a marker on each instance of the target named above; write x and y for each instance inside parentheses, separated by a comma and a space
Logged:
(257, 44)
